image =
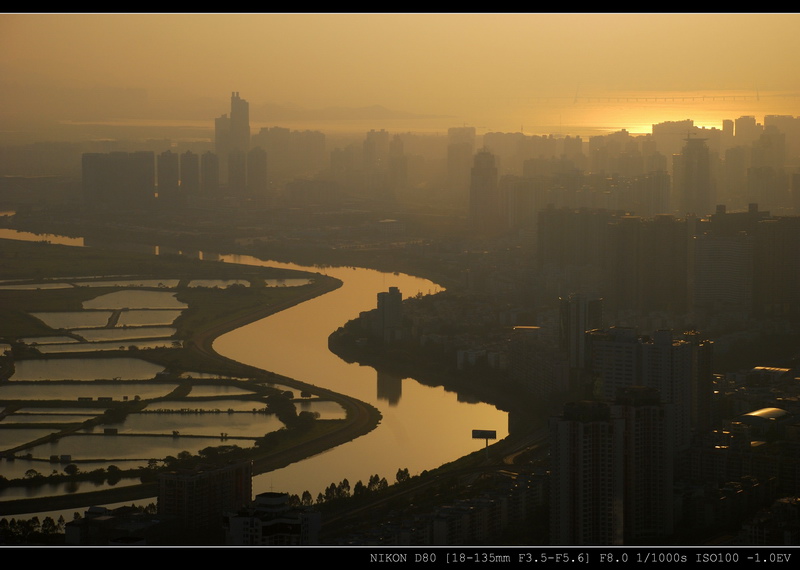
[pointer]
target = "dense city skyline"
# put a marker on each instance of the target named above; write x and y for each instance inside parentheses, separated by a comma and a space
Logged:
(375, 240)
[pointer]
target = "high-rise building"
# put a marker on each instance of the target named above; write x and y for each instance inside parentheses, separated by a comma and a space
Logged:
(578, 313)
(119, 179)
(646, 266)
(232, 142)
(484, 207)
(209, 175)
(747, 130)
(693, 182)
(722, 278)
(776, 281)
(239, 124)
(168, 178)
(291, 153)
(237, 173)
(198, 498)
(389, 315)
(619, 358)
(531, 363)
(376, 149)
(587, 487)
(257, 178)
(612, 471)
(767, 180)
(460, 148)
(222, 143)
(648, 464)
(376, 165)
(397, 178)
(190, 175)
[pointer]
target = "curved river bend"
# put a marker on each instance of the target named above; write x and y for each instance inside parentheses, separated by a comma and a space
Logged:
(422, 427)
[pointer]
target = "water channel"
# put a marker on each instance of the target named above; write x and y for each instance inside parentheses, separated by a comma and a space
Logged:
(422, 426)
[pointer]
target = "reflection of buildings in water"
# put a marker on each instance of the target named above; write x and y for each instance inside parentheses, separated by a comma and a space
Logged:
(467, 398)
(106, 242)
(390, 387)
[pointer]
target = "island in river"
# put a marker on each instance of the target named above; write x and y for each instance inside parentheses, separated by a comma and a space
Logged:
(210, 312)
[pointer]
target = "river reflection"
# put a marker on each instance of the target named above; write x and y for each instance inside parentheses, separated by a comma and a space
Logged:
(422, 427)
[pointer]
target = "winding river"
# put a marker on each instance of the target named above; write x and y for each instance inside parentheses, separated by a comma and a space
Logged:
(422, 426)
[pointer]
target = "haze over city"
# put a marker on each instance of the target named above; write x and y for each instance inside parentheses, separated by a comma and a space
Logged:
(498, 72)
(285, 279)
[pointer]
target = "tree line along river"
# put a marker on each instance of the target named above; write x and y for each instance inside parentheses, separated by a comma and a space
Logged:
(422, 427)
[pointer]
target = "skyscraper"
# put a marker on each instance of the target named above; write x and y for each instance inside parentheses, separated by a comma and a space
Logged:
(257, 180)
(587, 488)
(389, 316)
(232, 137)
(578, 314)
(648, 464)
(692, 177)
(612, 471)
(484, 208)
(168, 178)
(239, 124)
(198, 498)
(619, 358)
(460, 147)
(209, 175)
(190, 175)
(119, 179)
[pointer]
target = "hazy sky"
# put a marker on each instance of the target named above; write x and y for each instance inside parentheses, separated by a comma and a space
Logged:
(475, 66)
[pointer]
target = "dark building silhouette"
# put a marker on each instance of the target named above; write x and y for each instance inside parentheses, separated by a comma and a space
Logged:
(239, 124)
(460, 149)
(209, 176)
(484, 204)
(119, 179)
(611, 471)
(291, 154)
(237, 173)
(776, 283)
(168, 179)
(577, 314)
(646, 265)
(648, 465)
(190, 175)
(587, 487)
(678, 366)
(257, 173)
(272, 521)
(693, 181)
(389, 315)
(197, 498)
(232, 142)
